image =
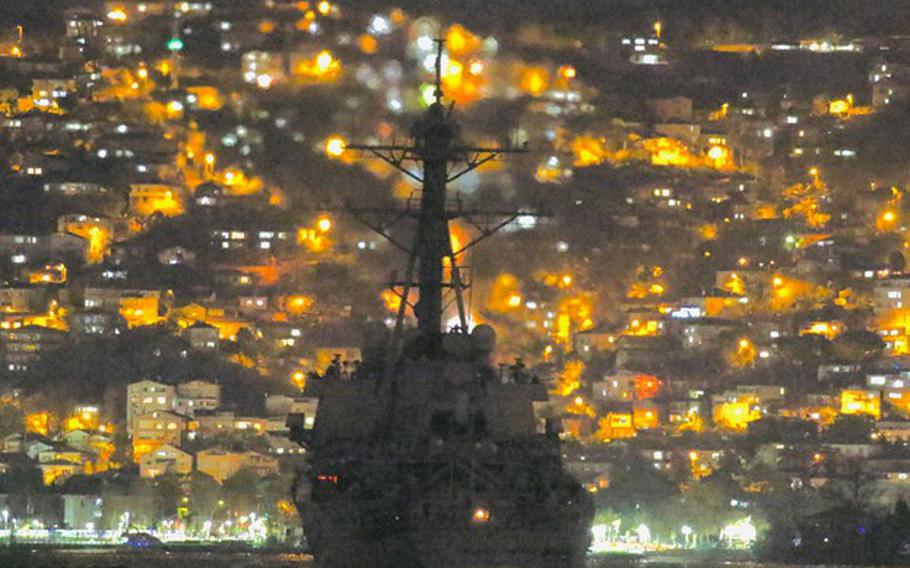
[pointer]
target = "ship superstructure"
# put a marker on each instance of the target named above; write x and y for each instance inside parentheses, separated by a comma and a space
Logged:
(432, 458)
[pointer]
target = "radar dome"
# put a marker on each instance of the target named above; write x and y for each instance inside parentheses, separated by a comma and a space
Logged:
(484, 337)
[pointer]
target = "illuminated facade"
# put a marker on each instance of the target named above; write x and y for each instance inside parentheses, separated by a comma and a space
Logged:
(862, 402)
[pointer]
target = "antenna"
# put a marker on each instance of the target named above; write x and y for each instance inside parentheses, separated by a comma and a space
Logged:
(440, 43)
(433, 263)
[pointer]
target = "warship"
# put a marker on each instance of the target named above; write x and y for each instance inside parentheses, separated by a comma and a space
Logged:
(428, 456)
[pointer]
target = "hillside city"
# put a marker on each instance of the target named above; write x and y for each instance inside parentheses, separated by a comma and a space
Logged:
(707, 266)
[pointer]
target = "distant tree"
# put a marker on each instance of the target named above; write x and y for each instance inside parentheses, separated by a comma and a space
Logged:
(204, 496)
(636, 488)
(708, 504)
(167, 490)
(858, 344)
(896, 261)
(806, 350)
(247, 344)
(11, 420)
(775, 430)
(850, 429)
(241, 492)
(890, 535)
(123, 448)
(22, 478)
(785, 508)
(853, 485)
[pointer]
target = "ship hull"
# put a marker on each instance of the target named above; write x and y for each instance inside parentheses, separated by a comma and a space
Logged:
(336, 542)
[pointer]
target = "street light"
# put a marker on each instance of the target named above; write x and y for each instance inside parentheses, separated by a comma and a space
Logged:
(686, 531)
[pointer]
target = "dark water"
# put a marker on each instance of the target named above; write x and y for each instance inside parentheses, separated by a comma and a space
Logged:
(119, 558)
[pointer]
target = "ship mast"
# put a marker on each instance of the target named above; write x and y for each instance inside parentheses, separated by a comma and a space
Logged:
(437, 148)
(434, 135)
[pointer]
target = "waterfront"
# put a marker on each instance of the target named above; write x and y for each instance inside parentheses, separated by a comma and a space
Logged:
(106, 557)
(121, 558)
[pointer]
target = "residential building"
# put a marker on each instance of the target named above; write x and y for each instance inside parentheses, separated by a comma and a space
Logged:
(25, 346)
(194, 396)
(203, 337)
(146, 396)
(165, 459)
(155, 429)
(223, 464)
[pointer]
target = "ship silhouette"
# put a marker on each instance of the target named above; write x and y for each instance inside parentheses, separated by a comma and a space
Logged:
(427, 456)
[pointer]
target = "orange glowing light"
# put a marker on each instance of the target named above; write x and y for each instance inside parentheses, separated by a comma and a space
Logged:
(398, 16)
(299, 304)
(462, 77)
(569, 380)
(589, 151)
(324, 67)
(298, 378)
(38, 423)
(861, 402)
(670, 152)
(840, 106)
(534, 81)
(576, 310)
(460, 41)
(505, 293)
(237, 182)
(391, 300)
(98, 235)
(640, 290)
(459, 238)
(646, 386)
(737, 414)
(367, 44)
(827, 329)
(734, 284)
(744, 355)
(207, 97)
(579, 407)
(708, 232)
(887, 221)
(313, 240)
(614, 426)
(645, 419)
(117, 14)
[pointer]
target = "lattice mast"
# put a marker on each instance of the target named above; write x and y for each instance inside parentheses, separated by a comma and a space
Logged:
(437, 148)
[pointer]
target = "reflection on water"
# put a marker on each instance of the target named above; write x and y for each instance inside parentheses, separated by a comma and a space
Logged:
(120, 558)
